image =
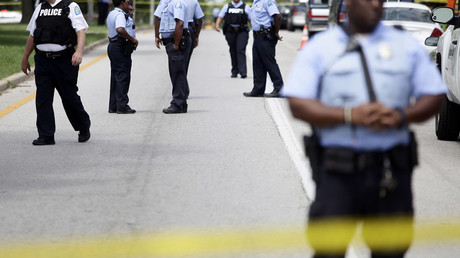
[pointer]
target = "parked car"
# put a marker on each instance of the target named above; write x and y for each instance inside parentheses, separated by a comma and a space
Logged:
(317, 15)
(447, 54)
(297, 17)
(10, 16)
(413, 17)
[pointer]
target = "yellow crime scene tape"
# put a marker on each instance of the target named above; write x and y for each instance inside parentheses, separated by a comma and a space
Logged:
(325, 235)
(379, 233)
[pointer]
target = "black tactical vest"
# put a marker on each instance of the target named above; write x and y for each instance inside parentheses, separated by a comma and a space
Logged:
(236, 15)
(54, 26)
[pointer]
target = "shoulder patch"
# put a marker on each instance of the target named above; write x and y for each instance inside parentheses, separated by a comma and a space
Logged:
(269, 3)
(77, 10)
(178, 5)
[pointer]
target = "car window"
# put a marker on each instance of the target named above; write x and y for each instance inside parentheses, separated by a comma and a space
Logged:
(319, 1)
(406, 14)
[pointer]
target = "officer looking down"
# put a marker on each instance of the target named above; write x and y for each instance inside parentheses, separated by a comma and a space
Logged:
(56, 27)
(354, 85)
(120, 48)
(236, 17)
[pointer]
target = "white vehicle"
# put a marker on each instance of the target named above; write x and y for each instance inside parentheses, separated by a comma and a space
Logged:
(447, 59)
(413, 17)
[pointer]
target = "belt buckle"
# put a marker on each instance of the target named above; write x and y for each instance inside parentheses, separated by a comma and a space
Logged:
(48, 54)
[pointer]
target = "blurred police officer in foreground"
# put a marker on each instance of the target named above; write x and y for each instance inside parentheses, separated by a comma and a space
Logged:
(120, 48)
(366, 152)
(266, 22)
(171, 31)
(236, 16)
(56, 27)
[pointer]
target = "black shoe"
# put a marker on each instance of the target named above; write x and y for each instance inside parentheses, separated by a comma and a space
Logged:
(84, 135)
(243, 75)
(273, 94)
(112, 111)
(127, 110)
(234, 75)
(252, 94)
(43, 141)
(175, 110)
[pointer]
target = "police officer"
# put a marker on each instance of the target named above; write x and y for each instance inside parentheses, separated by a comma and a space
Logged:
(171, 31)
(236, 31)
(119, 50)
(56, 27)
(194, 16)
(366, 151)
(266, 22)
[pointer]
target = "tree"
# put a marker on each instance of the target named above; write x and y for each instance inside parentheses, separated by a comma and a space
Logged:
(27, 8)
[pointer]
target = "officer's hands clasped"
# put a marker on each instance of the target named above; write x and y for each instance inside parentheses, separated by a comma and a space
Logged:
(376, 116)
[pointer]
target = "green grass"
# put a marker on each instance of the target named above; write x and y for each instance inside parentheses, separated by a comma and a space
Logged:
(13, 39)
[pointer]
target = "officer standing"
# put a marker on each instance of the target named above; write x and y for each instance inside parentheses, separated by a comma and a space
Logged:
(236, 16)
(103, 10)
(354, 84)
(266, 22)
(171, 30)
(194, 16)
(119, 50)
(56, 27)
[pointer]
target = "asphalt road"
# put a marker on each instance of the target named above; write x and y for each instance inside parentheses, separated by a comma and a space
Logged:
(230, 163)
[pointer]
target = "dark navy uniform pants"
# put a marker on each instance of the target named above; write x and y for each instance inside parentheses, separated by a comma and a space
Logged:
(354, 198)
(237, 41)
(263, 61)
(61, 75)
(192, 31)
(120, 76)
(177, 62)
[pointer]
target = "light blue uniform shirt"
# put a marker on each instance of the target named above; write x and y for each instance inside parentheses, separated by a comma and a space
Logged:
(193, 11)
(247, 10)
(171, 10)
(116, 19)
(262, 12)
(399, 67)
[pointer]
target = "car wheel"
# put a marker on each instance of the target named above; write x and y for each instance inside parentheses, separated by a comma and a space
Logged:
(290, 26)
(447, 121)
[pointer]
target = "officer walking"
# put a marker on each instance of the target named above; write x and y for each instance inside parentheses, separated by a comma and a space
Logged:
(354, 84)
(119, 50)
(171, 31)
(56, 27)
(266, 22)
(236, 16)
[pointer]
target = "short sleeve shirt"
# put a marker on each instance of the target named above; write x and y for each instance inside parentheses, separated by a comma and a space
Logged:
(116, 19)
(75, 16)
(262, 12)
(400, 69)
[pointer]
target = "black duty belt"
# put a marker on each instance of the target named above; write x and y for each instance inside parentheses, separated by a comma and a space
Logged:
(57, 54)
(260, 32)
